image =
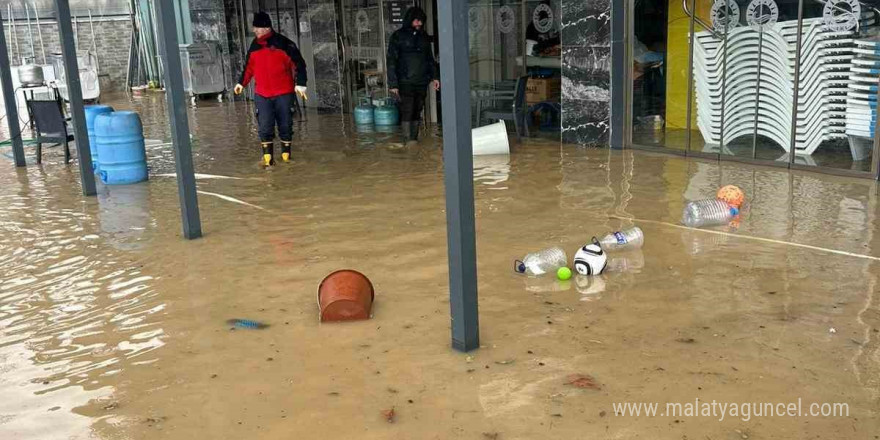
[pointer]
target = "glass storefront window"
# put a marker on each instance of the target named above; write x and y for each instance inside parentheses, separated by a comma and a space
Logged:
(660, 52)
(766, 86)
(839, 47)
(511, 40)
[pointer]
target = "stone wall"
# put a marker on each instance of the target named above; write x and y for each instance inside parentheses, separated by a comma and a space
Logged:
(112, 37)
(586, 71)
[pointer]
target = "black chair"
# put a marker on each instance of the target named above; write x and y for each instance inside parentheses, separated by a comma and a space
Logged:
(508, 105)
(50, 125)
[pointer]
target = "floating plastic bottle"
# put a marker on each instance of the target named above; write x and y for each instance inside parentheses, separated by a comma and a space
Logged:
(545, 261)
(627, 239)
(707, 212)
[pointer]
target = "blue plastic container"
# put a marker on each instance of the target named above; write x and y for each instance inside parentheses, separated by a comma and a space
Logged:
(92, 112)
(387, 114)
(363, 113)
(122, 156)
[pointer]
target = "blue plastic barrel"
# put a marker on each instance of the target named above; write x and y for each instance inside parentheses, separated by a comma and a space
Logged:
(92, 111)
(387, 114)
(122, 156)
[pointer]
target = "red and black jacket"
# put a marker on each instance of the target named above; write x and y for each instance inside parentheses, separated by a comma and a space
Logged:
(276, 65)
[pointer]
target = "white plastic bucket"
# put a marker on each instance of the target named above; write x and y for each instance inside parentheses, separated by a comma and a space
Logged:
(491, 139)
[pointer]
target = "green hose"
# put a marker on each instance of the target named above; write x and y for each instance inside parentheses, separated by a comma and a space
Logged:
(23, 142)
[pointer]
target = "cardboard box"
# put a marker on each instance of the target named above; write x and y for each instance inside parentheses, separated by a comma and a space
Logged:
(543, 89)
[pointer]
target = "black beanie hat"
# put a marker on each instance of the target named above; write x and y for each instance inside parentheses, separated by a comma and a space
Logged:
(262, 20)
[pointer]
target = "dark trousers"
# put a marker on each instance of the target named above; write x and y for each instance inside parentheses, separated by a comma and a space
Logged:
(412, 100)
(272, 111)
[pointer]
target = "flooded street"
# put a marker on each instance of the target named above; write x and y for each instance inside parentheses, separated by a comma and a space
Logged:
(112, 326)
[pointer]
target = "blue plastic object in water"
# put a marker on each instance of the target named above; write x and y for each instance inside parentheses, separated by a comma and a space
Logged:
(387, 113)
(363, 113)
(92, 112)
(122, 156)
(247, 323)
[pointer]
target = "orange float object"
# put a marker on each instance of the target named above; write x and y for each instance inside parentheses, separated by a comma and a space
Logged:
(732, 195)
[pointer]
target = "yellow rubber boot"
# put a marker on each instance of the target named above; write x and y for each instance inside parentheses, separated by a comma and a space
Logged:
(285, 151)
(268, 159)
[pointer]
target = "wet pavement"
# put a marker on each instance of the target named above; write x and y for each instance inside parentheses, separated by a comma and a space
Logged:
(114, 327)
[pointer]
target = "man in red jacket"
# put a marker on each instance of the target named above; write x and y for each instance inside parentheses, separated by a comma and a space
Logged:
(278, 68)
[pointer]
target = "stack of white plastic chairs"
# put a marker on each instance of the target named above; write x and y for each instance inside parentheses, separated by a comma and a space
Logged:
(825, 64)
(738, 85)
(861, 105)
(826, 59)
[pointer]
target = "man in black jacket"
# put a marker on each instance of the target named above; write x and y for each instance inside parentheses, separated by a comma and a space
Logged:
(411, 67)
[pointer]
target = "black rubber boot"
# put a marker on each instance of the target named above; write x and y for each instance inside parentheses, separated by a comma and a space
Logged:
(268, 154)
(285, 151)
(414, 131)
(406, 129)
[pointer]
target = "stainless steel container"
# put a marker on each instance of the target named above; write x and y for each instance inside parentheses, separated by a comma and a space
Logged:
(30, 75)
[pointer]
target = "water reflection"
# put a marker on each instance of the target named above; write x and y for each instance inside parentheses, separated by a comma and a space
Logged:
(626, 262)
(492, 170)
(591, 288)
(124, 214)
(71, 312)
(547, 283)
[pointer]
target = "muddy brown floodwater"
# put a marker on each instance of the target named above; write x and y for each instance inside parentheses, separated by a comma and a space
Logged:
(114, 327)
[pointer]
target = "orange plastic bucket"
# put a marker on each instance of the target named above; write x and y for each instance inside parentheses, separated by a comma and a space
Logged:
(345, 295)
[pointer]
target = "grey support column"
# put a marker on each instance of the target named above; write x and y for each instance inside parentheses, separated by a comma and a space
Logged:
(458, 164)
(177, 117)
(9, 100)
(619, 74)
(74, 92)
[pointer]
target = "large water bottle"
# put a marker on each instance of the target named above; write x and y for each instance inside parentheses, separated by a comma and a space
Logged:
(539, 263)
(707, 212)
(625, 240)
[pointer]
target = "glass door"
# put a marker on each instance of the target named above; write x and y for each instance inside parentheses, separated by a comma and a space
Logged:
(363, 24)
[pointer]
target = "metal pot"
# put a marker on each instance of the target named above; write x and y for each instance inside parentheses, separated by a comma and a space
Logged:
(31, 75)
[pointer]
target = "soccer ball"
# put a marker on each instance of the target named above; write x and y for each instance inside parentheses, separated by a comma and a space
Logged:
(590, 259)
(732, 195)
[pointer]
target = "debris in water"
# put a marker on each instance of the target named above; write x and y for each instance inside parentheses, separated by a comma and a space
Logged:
(333, 393)
(392, 390)
(505, 362)
(583, 381)
(602, 413)
(490, 435)
(389, 415)
(832, 330)
(54, 408)
(111, 406)
(469, 359)
(247, 323)
(686, 340)
(556, 415)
